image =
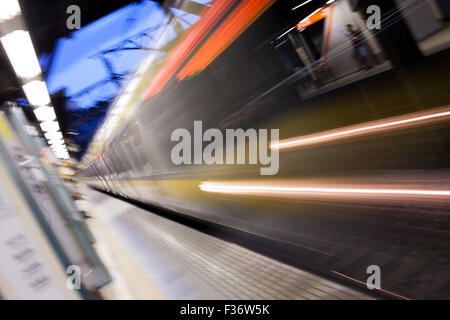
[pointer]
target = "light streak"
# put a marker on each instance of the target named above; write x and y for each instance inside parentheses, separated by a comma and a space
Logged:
(280, 190)
(410, 120)
(361, 282)
(317, 15)
(285, 33)
(301, 5)
(234, 25)
(187, 44)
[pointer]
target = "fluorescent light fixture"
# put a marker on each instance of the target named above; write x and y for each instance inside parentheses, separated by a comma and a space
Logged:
(9, 9)
(58, 148)
(330, 1)
(54, 136)
(61, 154)
(302, 4)
(50, 126)
(45, 114)
(56, 142)
(60, 151)
(36, 92)
(21, 54)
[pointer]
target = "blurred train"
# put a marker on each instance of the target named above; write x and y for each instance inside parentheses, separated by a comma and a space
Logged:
(364, 146)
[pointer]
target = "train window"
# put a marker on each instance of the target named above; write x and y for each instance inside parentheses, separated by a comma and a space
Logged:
(335, 48)
(428, 21)
(134, 149)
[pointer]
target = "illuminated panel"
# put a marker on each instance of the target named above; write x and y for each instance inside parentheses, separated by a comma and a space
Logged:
(209, 18)
(395, 123)
(313, 18)
(236, 23)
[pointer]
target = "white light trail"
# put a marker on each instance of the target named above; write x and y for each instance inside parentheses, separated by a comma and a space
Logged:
(302, 4)
(361, 129)
(286, 32)
(314, 190)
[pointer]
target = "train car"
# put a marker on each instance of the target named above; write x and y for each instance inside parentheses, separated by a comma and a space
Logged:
(359, 94)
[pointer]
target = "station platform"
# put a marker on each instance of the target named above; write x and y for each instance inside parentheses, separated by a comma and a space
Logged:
(152, 257)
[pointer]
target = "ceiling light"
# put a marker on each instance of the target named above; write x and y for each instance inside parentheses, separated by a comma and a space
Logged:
(21, 54)
(54, 136)
(61, 154)
(58, 148)
(9, 9)
(60, 151)
(45, 114)
(36, 92)
(49, 126)
(56, 142)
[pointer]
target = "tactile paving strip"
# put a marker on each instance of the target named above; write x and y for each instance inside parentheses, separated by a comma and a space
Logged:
(221, 270)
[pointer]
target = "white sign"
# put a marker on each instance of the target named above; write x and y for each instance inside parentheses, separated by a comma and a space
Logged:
(23, 267)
